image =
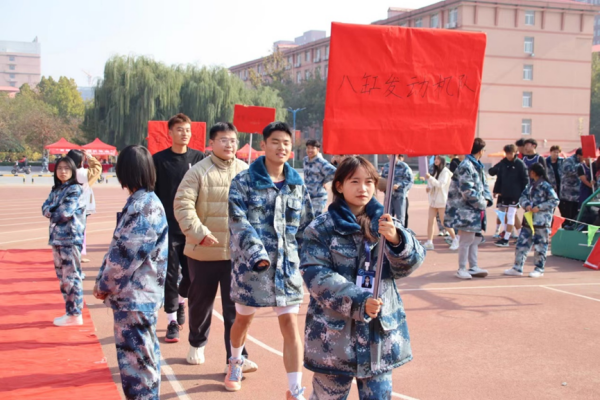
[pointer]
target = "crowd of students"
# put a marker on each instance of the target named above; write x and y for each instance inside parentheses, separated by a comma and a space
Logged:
(194, 223)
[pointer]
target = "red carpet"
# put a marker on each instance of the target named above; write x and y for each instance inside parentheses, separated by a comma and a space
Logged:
(38, 359)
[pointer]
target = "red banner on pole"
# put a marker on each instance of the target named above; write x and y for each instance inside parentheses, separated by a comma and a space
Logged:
(252, 119)
(159, 139)
(298, 136)
(402, 90)
(588, 146)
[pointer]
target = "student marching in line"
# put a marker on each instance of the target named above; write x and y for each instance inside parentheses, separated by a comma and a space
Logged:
(317, 172)
(132, 277)
(67, 223)
(269, 208)
(338, 259)
(540, 198)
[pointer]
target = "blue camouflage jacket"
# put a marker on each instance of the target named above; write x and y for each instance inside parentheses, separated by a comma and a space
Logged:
(317, 172)
(550, 170)
(66, 214)
(403, 177)
(133, 271)
(569, 179)
(540, 194)
(267, 224)
(338, 331)
(468, 197)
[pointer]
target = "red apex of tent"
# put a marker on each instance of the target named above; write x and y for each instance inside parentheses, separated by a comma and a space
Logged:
(99, 148)
(62, 147)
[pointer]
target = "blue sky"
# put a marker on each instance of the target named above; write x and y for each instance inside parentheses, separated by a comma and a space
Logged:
(80, 35)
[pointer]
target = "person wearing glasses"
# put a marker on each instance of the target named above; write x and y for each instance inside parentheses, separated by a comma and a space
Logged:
(171, 165)
(202, 210)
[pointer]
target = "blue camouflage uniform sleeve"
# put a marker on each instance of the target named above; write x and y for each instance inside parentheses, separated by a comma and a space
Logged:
(241, 229)
(551, 201)
(49, 205)
(68, 205)
(134, 239)
(407, 178)
(306, 217)
(330, 289)
(524, 199)
(469, 192)
(407, 256)
(327, 171)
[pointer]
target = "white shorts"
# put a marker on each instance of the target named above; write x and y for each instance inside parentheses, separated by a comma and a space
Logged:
(247, 310)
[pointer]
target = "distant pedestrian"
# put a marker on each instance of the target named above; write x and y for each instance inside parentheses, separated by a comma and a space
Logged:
(468, 198)
(540, 199)
(458, 158)
(317, 172)
(570, 186)
(554, 162)
(403, 182)
(132, 276)
(437, 189)
(67, 221)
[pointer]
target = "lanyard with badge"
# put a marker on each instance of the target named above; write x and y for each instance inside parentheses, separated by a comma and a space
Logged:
(366, 276)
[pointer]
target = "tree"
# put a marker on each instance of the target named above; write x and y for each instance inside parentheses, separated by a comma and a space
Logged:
(595, 98)
(62, 96)
(136, 90)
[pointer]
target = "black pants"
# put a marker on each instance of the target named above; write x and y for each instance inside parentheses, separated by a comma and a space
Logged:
(568, 209)
(205, 278)
(172, 288)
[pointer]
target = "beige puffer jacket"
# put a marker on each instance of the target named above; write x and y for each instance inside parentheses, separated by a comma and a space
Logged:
(202, 206)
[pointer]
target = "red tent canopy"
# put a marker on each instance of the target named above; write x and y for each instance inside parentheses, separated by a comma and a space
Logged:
(242, 153)
(99, 148)
(62, 146)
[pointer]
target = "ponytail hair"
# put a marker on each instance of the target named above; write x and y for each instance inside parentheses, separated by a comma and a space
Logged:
(539, 170)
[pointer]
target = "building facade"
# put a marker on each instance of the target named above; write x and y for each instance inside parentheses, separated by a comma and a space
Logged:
(537, 69)
(596, 20)
(20, 63)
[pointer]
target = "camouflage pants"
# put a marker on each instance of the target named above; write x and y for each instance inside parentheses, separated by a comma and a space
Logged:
(318, 204)
(526, 240)
(138, 353)
(67, 264)
(337, 387)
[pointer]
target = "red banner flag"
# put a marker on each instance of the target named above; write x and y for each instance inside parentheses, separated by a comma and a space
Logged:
(252, 119)
(402, 90)
(593, 260)
(159, 139)
(588, 146)
(556, 224)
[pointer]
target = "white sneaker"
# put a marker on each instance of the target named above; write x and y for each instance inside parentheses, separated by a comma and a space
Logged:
(428, 245)
(196, 355)
(297, 394)
(463, 274)
(68, 320)
(248, 367)
(512, 272)
(478, 272)
(536, 274)
(454, 245)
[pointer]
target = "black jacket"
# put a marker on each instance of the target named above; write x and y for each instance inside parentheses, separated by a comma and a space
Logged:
(512, 178)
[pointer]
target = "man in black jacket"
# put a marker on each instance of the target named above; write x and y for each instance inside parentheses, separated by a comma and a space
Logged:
(512, 178)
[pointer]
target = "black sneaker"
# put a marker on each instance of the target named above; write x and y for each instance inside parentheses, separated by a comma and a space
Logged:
(502, 243)
(172, 333)
(181, 314)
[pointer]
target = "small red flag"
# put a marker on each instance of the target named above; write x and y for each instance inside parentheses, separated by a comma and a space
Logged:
(593, 260)
(556, 224)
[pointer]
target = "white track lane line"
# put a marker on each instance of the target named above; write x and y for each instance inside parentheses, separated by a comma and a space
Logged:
(46, 237)
(495, 287)
(280, 354)
(170, 374)
(572, 294)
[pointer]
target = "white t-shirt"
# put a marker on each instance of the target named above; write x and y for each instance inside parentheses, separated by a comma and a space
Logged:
(87, 197)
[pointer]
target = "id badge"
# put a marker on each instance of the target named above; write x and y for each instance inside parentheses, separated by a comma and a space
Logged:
(365, 280)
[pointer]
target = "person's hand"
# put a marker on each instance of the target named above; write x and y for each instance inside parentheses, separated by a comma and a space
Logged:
(263, 264)
(528, 208)
(535, 209)
(428, 189)
(388, 230)
(495, 195)
(373, 307)
(97, 294)
(396, 187)
(209, 240)
(427, 175)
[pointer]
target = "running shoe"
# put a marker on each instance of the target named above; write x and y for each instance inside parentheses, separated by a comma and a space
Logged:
(233, 380)
(463, 274)
(512, 272)
(502, 243)
(297, 394)
(172, 332)
(478, 272)
(68, 320)
(536, 273)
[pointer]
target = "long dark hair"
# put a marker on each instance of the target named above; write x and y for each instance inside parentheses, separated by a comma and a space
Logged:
(437, 169)
(345, 171)
(77, 157)
(539, 170)
(71, 165)
(135, 169)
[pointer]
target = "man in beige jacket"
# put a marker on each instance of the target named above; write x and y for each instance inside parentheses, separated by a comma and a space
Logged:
(202, 210)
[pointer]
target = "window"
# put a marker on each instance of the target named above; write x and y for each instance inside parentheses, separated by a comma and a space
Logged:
(298, 77)
(530, 18)
(528, 47)
(307, 74)
(13, 84)
(434, 21)
(290, 60)
(318, 55)
(453, 16)
(527, 99)
(307, 56)
(418, 22)
(404, 23)
(12, 76)
(327, 53)
(259, 69)
(526, 127)
(326, 70)
(527, 72)
(11, 67)
(11, 58)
